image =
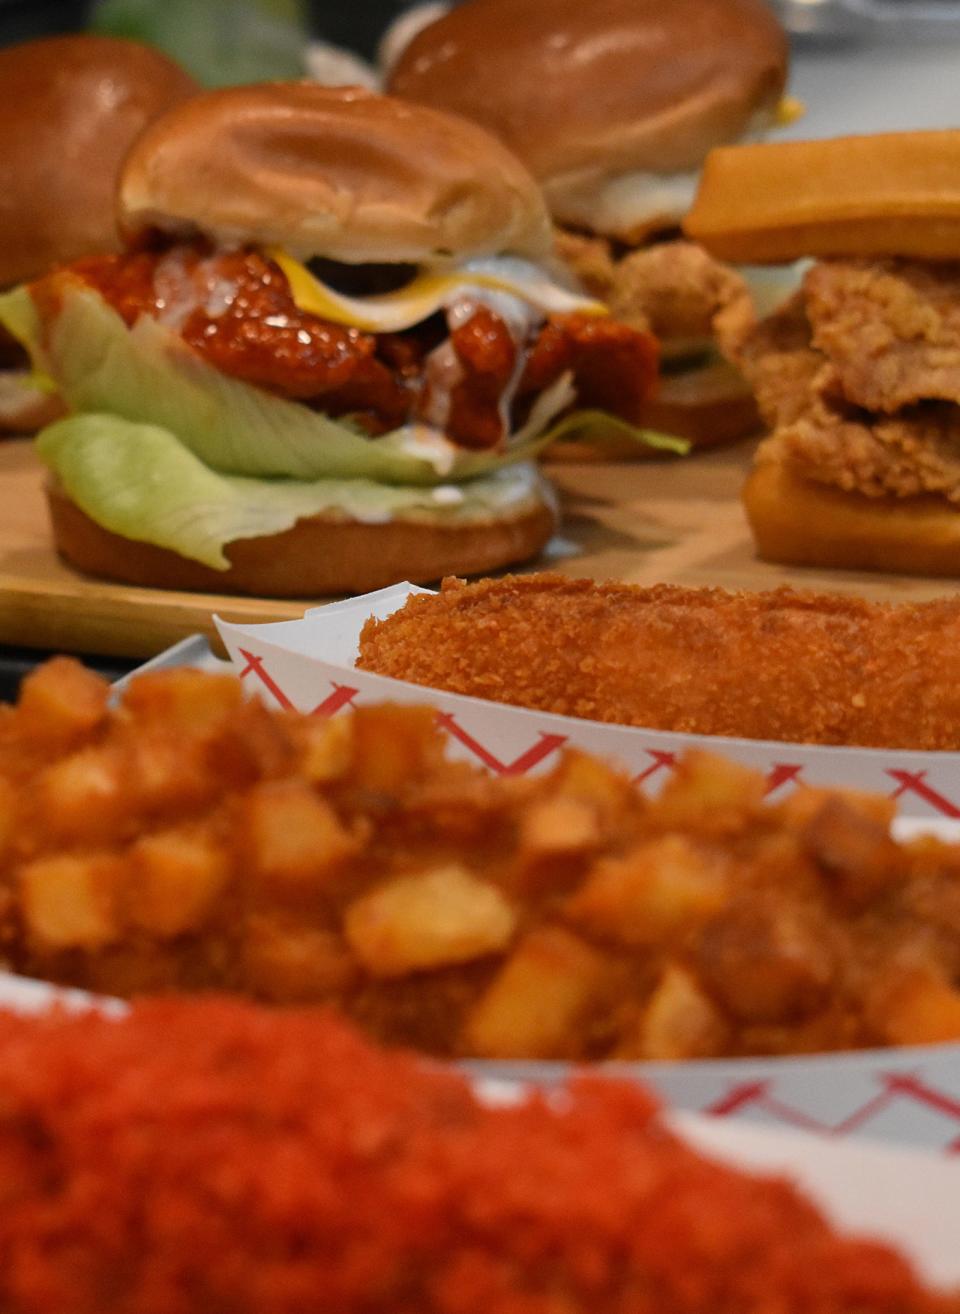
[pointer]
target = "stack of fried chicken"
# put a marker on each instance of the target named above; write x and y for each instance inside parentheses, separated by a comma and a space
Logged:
(858, 374)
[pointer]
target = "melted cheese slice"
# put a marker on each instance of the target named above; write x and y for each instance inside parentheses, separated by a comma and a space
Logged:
(431, 290)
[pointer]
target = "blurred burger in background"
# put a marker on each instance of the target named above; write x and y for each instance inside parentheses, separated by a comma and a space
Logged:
(613, 106)
(72, 107)
(325, 359)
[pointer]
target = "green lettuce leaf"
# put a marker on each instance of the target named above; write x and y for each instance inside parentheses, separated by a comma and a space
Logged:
(140, 481)
(148, 375)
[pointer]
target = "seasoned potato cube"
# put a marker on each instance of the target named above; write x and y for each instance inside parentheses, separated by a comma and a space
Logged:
(537, 1004)
(432, 919)
(292, 837)
(84, 798)
(857, 853)
(392, 746)
(326, 747)
(68, 901)
(168, 773)
(710, 790)
(294, 963)
(184, 699)
(657, 890)
(804, 804)
(767, 962)
(62, 701)
(178, 875)
(557, 826)
(593, 781)
(919, 1009)
(8, 815)
(679, 1022)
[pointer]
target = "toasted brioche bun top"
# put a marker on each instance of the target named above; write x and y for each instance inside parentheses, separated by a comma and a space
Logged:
(330, 171)
(586, 91)
(72, 106)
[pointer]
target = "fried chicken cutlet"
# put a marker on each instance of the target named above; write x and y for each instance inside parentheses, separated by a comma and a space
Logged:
(209, 1156)
(784, 665)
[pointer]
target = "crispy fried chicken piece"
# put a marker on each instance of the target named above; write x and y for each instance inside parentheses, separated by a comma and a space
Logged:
(590, 258)
(914, 452)
(209, 1156)
(671, 289)
(891, 329)
(675, 289)
(614, 367)
(775, 355)
(779, 665)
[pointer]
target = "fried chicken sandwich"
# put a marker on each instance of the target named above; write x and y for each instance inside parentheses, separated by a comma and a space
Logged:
(858, 374)
(325, 358)
(72, 107)
(613, 107)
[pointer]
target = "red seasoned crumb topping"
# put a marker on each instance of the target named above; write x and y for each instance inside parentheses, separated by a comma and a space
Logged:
(212, 1157)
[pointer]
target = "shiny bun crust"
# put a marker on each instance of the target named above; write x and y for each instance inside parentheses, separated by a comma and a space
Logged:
(316, 558)
(802, 523)
(586, 92)
(71, 107)
(330, 171)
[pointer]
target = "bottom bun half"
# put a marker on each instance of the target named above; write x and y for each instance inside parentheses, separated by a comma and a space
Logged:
(802, 523)
(25, 408)
(707, 406)
(317, 557)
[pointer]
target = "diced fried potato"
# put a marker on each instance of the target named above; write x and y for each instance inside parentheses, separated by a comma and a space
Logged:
(177, 877)
(188, 700)
(766, 963)
(392, 746)
(433, 919)
(919, 1008)
(62, 701)
(660, 888)
(680, 1021)
(291, 963)
(253, 744)
(555, 826)
(326, 747)
(538, 1003)
(292, 838)
(709, 792)
(857, 853)
(84, 798)
(804, 804)
(591, 780)
(168, 773)
(8, 815)
(69, 901)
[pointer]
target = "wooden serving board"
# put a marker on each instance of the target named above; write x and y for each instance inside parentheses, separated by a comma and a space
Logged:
(664, 521)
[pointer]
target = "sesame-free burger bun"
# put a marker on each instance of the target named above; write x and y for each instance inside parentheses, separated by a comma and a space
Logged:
(72, 106)
(337, 172)
(317, 557)
(588, 92)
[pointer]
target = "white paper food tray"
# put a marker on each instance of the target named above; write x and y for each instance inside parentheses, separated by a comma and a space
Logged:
(906, 1095)
(309, 664)
(905, 1197)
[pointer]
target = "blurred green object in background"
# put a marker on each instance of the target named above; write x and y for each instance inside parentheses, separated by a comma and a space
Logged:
(221, 42)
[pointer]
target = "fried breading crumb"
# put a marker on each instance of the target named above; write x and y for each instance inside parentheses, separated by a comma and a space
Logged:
(198, 1157)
